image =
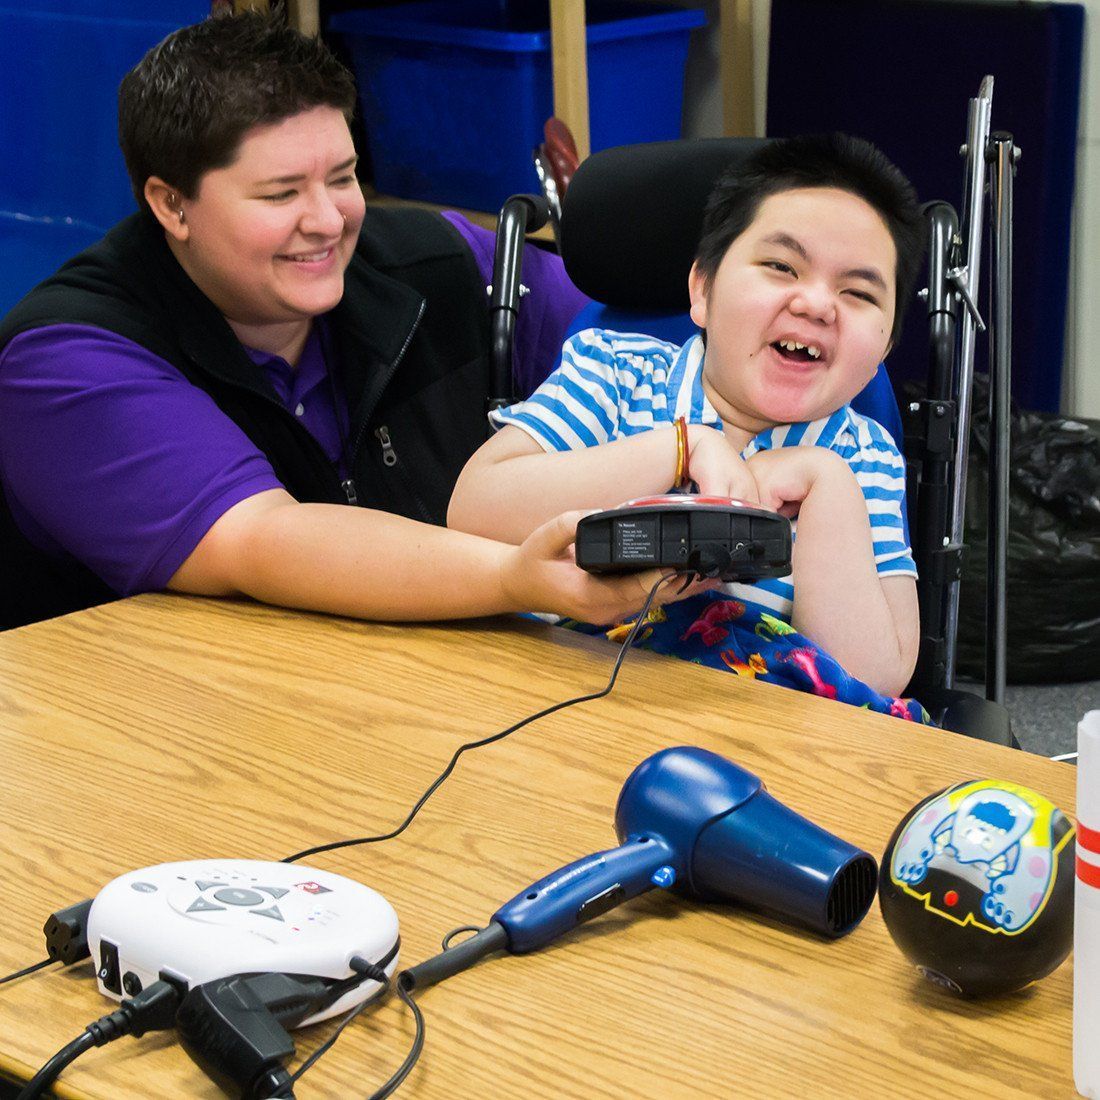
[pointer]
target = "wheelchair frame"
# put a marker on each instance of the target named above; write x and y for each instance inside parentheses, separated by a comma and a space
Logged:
(941, 441)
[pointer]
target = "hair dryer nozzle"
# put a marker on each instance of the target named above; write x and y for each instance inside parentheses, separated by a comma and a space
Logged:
(771, 858)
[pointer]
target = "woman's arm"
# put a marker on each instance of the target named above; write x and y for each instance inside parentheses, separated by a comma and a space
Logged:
(869, 624)
(374, 565)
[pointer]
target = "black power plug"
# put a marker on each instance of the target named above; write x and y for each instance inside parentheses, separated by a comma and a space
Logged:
(67, 933)
(233, 1027)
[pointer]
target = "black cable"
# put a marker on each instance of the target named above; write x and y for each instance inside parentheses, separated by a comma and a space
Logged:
(368, 971)
(46, 1076)
(26, 970)
(153, 1009)
(364, 971)
(327, 1044)
(411, 1058)
(439, 780)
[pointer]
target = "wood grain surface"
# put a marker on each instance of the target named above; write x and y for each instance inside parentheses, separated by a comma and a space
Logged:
(165, 728)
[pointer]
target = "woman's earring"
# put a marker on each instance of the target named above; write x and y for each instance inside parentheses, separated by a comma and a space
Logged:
(180, 212)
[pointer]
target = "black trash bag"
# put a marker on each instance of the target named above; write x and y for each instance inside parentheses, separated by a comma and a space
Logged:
(1053, 585)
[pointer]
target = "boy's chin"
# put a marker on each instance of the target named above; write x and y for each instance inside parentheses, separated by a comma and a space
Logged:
(790, 412)
(779, 404)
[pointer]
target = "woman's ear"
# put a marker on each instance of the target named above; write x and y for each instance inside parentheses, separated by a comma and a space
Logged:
(166, 203)
(697, 292)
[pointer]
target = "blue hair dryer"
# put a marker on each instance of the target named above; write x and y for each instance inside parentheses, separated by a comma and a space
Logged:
(691, 820)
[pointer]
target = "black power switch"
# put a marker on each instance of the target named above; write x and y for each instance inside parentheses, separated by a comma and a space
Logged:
(108, 966)
(601, 903)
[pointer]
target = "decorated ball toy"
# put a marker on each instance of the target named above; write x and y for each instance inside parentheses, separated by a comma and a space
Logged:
(976, 887)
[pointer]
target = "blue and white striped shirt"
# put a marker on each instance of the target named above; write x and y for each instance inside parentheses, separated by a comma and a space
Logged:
(611, 385)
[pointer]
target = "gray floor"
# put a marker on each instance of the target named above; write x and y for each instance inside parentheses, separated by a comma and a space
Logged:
(1045, 716)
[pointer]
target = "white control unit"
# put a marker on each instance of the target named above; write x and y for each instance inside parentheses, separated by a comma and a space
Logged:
(205, 919)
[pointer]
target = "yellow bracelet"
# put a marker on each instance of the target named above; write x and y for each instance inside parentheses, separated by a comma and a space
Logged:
(681, 478)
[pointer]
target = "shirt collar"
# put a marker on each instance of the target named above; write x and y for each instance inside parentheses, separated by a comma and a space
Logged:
(693, 403)
(294, 384)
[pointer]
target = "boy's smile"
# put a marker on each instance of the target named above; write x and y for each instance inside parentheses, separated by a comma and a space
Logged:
(799, 313)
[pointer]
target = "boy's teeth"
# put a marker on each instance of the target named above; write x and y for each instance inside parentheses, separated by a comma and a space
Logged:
(812, 350)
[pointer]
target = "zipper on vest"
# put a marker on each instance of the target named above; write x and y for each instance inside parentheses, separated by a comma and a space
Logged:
(348, 485)
(368, 413)
(389, 455)
(389, 458)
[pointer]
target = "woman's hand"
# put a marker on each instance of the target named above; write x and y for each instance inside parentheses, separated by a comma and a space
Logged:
(716, 466)
(541, 575)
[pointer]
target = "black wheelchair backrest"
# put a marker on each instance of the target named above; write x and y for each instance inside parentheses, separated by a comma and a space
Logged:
(632, 217)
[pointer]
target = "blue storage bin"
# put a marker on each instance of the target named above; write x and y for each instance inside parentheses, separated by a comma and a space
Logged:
(454, 95)
(64, 182)
(33, 248)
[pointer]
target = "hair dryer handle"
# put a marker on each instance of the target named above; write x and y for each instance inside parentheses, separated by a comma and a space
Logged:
(586, 888)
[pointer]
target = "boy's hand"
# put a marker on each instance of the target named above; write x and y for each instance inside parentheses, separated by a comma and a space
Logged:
(541, 575)
(716, 466)
(784, 477)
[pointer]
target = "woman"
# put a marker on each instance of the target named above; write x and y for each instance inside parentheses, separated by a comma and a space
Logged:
(194, 402)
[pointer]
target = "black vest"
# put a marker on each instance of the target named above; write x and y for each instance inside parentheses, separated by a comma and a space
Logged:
(410, 341)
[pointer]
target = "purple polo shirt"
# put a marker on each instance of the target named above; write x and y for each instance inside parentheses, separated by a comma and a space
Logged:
(108, 454)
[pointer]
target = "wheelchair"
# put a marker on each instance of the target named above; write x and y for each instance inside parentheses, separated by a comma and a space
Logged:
(627, 223)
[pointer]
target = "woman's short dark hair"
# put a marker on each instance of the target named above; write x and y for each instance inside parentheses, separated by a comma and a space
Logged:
(826, 160)
(184, 108)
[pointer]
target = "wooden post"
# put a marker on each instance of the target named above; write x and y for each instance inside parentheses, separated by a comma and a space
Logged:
(736, 66)
(305, 16)
(302, 15)
(569, 54)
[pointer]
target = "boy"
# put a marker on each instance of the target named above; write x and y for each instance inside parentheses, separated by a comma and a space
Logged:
(808, 255)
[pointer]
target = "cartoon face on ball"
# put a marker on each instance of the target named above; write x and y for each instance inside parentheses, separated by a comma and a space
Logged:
(989, 824)
(996, 837)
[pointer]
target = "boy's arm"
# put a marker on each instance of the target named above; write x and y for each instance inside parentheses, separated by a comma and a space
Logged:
(869, 624)
(573, 444)
(511, 485)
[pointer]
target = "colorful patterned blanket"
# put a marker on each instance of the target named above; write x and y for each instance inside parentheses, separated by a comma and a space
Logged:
(712, 629)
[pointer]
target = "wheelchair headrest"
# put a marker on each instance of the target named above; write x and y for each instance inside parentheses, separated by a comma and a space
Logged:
(632, 217)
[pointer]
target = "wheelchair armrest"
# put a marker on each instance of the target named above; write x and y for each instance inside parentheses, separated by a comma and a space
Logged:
(969, 714)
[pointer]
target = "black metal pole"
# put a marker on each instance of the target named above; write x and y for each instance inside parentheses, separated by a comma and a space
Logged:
(520, 215)
(930, 443)
(1002, 155)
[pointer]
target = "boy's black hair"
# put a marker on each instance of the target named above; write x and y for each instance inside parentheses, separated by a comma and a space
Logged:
(184, 108)
(824, 160)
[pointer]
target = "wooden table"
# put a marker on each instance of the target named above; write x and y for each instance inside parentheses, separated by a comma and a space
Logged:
(165, 728)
